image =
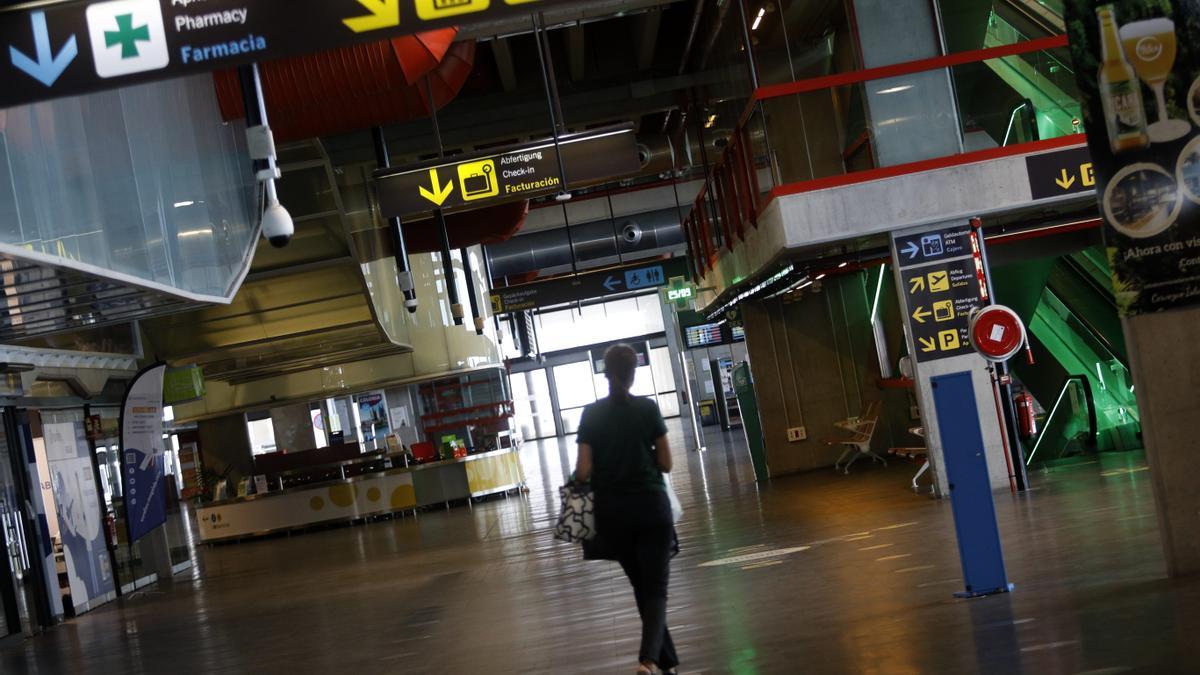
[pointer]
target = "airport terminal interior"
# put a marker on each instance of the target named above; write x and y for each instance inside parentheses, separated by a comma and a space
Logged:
(306, 307)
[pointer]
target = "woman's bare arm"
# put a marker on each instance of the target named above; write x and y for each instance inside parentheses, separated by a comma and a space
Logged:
(583, 463)
(663, 454)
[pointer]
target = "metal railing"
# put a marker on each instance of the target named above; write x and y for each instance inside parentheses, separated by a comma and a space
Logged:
(1071, 428)
(804, 135)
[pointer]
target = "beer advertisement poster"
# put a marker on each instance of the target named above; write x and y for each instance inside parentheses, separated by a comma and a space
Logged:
(1136, 62)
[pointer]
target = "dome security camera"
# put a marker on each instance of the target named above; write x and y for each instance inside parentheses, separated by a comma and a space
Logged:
(631, 233)
(277, 225)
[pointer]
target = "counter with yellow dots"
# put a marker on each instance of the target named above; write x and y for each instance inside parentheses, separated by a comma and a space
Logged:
(394, 491)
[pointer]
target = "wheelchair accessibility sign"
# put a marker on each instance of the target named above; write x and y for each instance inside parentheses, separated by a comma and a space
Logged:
(478, 180)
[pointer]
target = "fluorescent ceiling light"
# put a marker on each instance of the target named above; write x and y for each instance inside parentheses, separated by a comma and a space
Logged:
(180, 205)
(842, 265)
(758, 19)
(895, 90)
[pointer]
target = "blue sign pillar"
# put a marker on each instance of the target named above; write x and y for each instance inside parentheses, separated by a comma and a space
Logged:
(970, 487)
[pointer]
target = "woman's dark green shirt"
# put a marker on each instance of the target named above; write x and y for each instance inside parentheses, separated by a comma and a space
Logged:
(622, 432)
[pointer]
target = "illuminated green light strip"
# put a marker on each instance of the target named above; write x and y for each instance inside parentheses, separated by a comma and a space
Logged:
(1048, 418)
(878, 289)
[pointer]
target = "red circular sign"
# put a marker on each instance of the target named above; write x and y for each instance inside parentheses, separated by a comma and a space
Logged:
(997, 333)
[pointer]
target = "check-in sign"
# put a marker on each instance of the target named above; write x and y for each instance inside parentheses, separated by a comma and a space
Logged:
(521, 172)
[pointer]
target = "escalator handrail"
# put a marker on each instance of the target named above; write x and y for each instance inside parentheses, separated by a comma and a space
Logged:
(1034, 17)
(1096, 333)
(1093, 436)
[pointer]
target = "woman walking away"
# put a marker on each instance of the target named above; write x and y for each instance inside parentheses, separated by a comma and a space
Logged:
(623, 451)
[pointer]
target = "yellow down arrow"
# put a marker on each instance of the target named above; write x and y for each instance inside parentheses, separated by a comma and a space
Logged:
(927, 345)
(437, 193)
(384, 14)
(1066, 181)
(921, 314)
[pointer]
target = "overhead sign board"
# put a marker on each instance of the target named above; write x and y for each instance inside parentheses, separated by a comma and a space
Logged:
(1059, 173)
(646, 276)
(940, 299)
(520, 172)
(941, 291)
(926, 247)
(57, 49)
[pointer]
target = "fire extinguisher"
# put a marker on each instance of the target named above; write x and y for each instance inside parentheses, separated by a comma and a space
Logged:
(1026, 419)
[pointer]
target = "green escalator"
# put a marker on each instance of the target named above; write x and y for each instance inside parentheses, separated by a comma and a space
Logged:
(1036, 18)
(1019, 98)
(1081, 375)
(1044, 80)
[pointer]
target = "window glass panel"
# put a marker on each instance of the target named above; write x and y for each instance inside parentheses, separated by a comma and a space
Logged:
(262, 436)
(664, 374)
(669, 404)
(570, 420)
(575, 384)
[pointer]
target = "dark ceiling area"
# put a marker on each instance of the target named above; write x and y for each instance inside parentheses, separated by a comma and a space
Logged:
(636, 65)
(656, 64)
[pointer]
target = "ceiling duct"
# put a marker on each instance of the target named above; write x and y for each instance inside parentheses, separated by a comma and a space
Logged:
(353, 88)
(597, 243)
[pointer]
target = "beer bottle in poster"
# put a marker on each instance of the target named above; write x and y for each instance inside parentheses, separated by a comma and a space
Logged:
(1120, 91)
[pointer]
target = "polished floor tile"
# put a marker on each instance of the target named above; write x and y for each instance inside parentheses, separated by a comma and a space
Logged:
(819, 573)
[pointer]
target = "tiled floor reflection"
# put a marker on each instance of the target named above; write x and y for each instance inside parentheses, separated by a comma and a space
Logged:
(819, 573)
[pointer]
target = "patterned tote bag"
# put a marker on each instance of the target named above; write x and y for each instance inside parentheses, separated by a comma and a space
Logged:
(577, 520)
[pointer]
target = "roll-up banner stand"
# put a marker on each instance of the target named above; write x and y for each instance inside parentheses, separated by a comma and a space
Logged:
(142, 453)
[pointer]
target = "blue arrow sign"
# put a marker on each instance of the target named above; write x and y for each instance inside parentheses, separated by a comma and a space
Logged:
(48, 66)
(612, 283)
(912, 250)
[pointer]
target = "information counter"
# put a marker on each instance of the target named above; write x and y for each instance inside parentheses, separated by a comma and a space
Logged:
(369, 494)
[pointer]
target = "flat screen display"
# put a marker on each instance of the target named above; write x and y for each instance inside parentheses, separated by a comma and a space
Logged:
(703, 335)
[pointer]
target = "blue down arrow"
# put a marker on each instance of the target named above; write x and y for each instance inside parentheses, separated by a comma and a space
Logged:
(48, 67)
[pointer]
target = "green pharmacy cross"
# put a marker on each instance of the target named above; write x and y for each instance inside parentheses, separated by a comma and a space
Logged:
(127, 36)
(680, 292)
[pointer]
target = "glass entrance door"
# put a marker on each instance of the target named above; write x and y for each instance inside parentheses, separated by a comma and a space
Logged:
(534, 408)
(576, 387)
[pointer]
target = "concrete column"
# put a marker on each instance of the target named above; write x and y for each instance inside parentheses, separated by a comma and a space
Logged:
(912, 117)
(814, 364)
(1166, 373)
(989, 420)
